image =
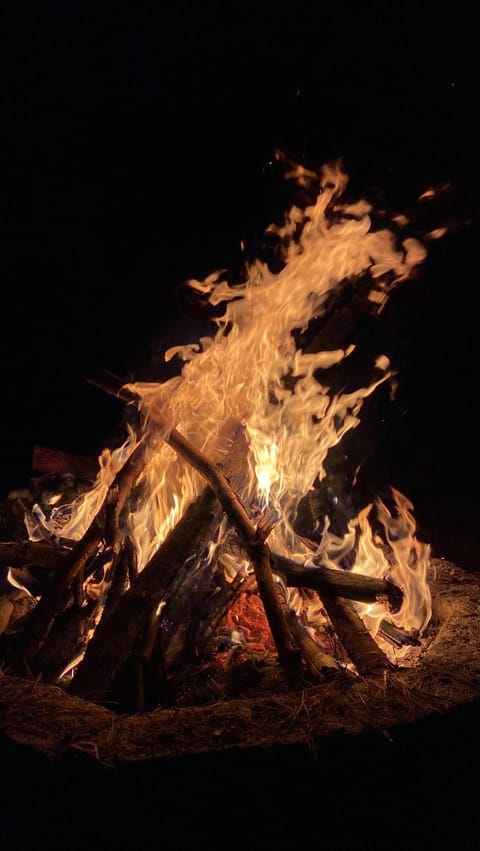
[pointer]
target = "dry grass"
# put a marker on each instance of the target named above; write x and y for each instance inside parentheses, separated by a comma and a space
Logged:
(447, 673)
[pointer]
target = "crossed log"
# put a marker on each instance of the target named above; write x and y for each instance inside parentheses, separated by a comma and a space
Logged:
(125, 620)
(122, 625)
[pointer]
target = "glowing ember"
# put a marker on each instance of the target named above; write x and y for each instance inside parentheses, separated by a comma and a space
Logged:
(252, 371)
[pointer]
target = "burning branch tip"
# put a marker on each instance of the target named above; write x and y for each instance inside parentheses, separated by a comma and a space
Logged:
(395, 596)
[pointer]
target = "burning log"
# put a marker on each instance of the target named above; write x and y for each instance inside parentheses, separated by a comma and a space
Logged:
(317, 660)
(107, 654)
(342, 583)
(73, 626)
(198, 601)
(364, 649)
(353, 586)
(71, 629)
(257, 550)
(238, 516)
(320, 578)
(50, 602)
(154, 621)
(359, 645)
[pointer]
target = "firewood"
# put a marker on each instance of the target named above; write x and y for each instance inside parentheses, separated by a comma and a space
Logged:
(15, 608)
(258, 552)
(397, 636)
(66, 641)
(77, 586)
(116, 637)
(50, 602)
(32, 554)
(342, 583)
(356, 640)
(201, 598)
(46, 460)
(351, 627)
(353, 586)
(6, 610)
(70, 631)
(58, 725)
(186, 609)
(121, 627)
(319, 662)
(257, 549)
(333, 591)
(124, 573)
(154, 686)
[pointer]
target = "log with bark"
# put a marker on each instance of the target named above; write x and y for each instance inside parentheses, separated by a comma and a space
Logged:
(51, 601)
(150, 625)
(128, 628)
(442, 683)
(111, 646)
(44, 554)
(123, 626)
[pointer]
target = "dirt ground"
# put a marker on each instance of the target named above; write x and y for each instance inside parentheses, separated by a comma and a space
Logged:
(412, 790)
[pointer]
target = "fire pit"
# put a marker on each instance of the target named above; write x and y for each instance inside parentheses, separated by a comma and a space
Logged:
(206, 586)
(446, 674)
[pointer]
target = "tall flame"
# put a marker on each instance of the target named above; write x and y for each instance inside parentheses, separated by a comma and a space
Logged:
(240, 372)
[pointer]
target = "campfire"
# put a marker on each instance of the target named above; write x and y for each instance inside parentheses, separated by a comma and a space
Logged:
(203, 584)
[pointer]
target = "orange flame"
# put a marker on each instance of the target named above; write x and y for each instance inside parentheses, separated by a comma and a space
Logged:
(239, 373)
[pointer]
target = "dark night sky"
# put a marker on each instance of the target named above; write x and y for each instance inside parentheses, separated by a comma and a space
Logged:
(137, 144)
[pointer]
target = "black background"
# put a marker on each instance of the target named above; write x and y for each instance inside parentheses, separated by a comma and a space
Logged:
(138, 144)
(137, 149)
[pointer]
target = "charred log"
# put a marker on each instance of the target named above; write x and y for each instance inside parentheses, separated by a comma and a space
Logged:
(117, 636)
(32, 554)
(257, 549)
(50, 603)
(342, 583)
(66, 642)
(320, 664)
